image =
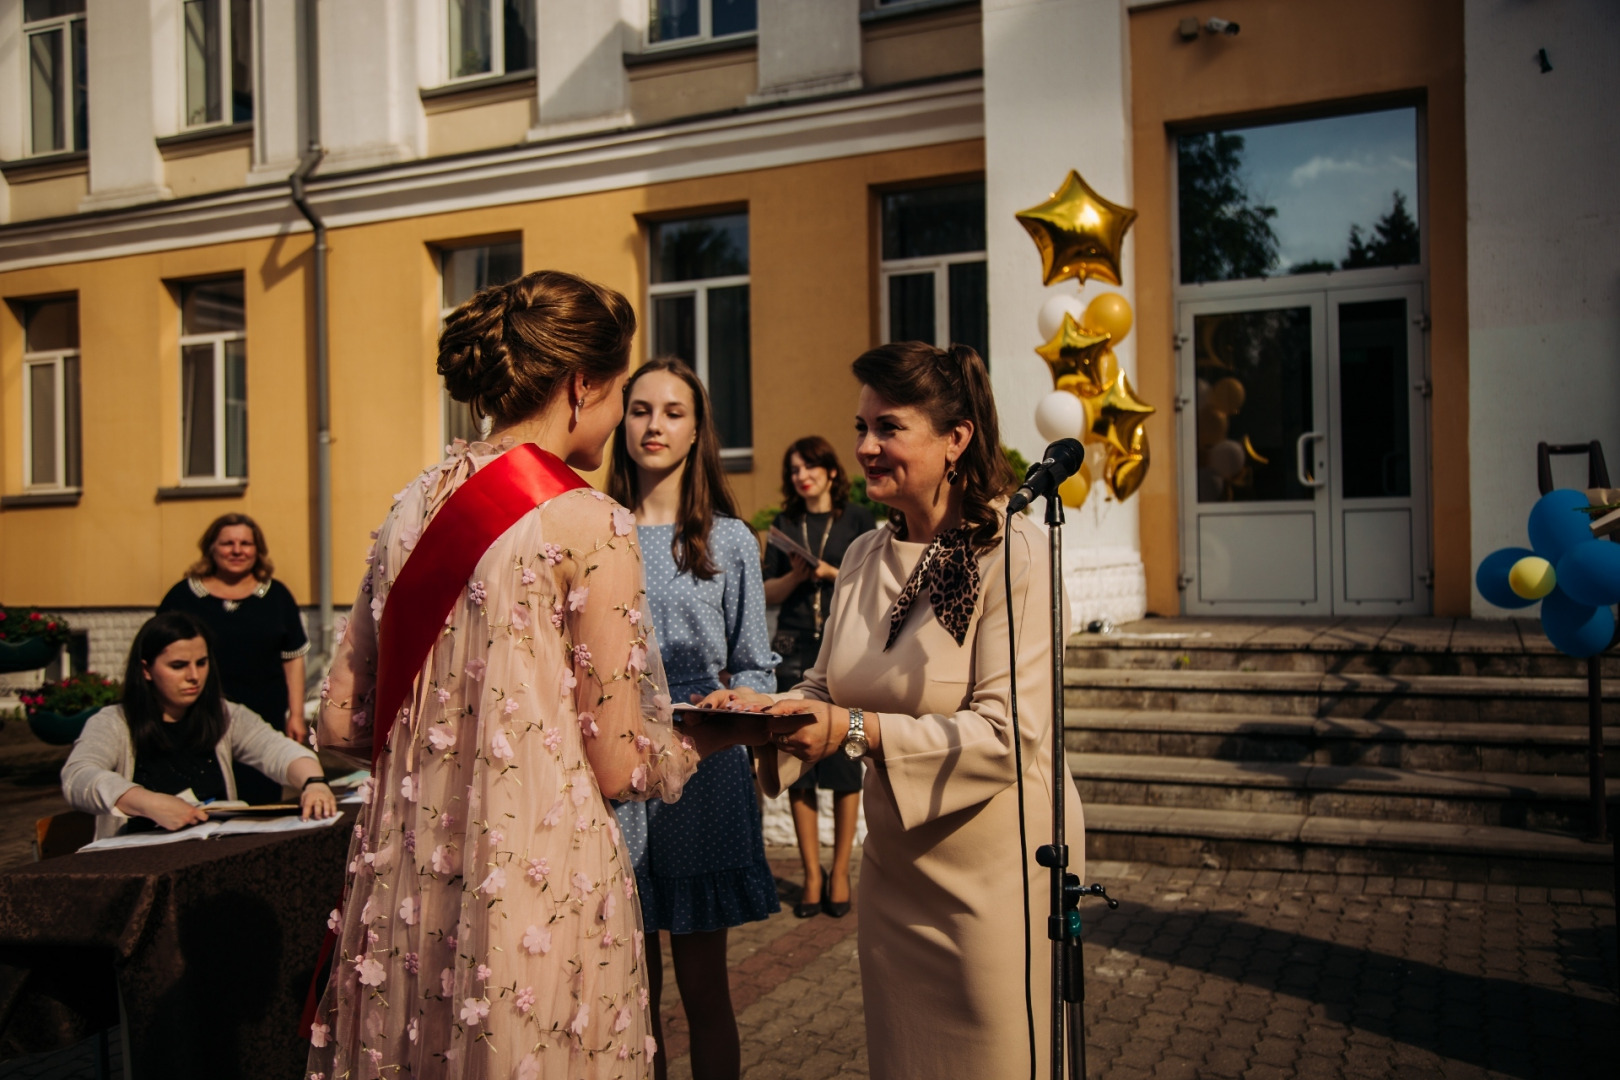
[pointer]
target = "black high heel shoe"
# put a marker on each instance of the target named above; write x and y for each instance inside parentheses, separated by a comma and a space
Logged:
(836, 909)
(804, 910)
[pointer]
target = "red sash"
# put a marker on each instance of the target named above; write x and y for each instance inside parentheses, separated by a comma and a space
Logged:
(481, 510)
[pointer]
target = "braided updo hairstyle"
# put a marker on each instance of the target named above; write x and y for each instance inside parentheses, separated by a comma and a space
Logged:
(949, 386)
(511, 347)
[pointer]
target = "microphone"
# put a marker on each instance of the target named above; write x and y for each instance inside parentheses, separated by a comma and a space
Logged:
(1062, 461)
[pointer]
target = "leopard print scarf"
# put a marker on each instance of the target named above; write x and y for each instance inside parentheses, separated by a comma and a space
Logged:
(950, 569)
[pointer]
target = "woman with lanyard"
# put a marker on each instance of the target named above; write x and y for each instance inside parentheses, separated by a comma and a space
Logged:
(818, 514)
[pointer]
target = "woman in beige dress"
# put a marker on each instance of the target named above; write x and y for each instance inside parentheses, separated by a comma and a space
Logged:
(915, 653)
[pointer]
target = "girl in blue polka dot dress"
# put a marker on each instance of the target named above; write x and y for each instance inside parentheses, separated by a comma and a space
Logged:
(700, 863)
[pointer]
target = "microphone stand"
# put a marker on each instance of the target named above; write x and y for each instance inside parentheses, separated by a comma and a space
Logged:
(1063, 925)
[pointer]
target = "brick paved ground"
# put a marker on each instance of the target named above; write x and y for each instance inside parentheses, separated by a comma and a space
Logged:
(1255, 975)
(1228, 974)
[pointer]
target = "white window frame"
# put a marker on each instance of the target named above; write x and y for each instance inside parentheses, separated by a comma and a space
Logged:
(218, 339)
(497, 44)
(705, 30)
(939, 266)
(442, 252)
(446, 402)
(223, 74)
(64, 23)
(56, 359)
(698, 289)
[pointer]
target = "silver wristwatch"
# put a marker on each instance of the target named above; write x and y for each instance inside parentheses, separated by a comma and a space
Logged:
(855, 741)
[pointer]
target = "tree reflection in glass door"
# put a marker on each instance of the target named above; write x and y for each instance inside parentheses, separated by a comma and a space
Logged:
(1254, 401)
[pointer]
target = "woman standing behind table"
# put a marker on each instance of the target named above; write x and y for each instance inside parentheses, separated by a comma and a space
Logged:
(259, 639)
(915, 676)
(175, 732)
(816, 511)
(702, 868)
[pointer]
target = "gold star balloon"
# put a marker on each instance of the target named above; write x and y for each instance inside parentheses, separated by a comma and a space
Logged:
(1115, 416)
(1076, 356)
(1079, 233)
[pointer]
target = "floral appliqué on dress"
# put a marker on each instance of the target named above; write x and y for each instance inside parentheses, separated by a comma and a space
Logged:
(481, 934)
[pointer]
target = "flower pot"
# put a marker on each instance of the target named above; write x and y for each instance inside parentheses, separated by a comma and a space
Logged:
(56, 729)
(30, 654)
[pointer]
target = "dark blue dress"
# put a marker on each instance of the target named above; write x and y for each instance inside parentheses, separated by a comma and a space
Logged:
(700, 862)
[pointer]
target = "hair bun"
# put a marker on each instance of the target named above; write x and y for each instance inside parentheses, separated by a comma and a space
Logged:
(506, 350)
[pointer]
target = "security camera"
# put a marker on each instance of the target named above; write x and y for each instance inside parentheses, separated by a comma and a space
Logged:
(1222, 26)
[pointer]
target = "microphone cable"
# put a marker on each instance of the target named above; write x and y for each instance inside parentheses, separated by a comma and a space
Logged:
(1018, 760)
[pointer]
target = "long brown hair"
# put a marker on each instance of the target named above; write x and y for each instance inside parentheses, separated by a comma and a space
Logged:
(704, 491)
(950, 386)
(817, 453)
(509, 348)
(263, 568)
(208, 718)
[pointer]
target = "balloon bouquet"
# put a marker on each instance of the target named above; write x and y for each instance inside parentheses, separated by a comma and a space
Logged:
(1080, 234)
(1575, 575)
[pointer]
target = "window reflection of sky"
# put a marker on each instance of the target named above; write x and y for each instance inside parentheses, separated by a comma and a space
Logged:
(1324, 176)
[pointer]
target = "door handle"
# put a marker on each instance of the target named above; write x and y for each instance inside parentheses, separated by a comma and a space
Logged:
(1299, 459)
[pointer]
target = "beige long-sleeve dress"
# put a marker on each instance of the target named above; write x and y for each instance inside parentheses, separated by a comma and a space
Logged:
(941, 919)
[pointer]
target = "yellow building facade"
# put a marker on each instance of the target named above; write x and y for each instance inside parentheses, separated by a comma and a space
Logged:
(805, 121)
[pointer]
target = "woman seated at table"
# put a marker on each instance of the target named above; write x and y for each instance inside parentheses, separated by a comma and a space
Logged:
(174, 733)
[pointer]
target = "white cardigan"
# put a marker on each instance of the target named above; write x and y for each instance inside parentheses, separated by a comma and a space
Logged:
(102, 766)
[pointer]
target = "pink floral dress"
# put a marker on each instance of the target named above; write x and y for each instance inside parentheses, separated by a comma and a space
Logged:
(490, 926)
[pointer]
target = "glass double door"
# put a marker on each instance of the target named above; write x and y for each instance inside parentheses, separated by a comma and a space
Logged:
(1302, 435)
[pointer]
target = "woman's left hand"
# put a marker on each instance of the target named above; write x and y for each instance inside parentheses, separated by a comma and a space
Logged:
(817, 740)
(317, 801)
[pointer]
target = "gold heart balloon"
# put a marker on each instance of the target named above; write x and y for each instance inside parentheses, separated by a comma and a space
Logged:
(1115, 416)
(1075, 356)
(1079, 233)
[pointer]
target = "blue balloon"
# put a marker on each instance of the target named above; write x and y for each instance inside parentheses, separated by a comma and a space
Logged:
(1492, 578)
(1576, 629)
(1590, 573)
(1557, 524)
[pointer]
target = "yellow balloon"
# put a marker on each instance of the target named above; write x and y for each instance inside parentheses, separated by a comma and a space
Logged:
(1532, 577)
(1074, 490)
(1211, 426)
(1228, 395)
(1109, 314)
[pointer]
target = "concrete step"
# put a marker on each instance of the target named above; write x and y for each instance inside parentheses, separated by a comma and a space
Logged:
(1238, 840)
(1089, 651)
(1512, 800)
(1542, 749)
(1348, 645)
(1461, 698)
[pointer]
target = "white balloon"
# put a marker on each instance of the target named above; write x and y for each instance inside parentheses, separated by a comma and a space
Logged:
(1226, 459)
(1059, 416)
(1050, 320)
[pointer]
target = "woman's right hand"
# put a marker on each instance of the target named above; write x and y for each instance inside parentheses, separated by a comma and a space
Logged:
(169, 812)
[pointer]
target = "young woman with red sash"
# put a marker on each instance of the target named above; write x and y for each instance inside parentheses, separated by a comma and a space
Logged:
(499, 673)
